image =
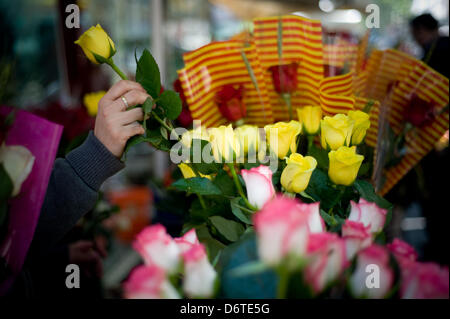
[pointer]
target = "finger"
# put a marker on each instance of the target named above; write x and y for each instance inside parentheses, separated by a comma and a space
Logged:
(121, 87)
(131, 116)
(83, 244)
(133, 129)
(132, 98)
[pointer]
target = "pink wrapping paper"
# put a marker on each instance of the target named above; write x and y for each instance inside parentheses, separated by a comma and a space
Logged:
(41, 137)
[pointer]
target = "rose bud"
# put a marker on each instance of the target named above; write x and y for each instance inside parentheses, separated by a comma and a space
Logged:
(258, 182)
(356, 236)
(282, 137)
(361, 125)
(297, 173)
(282, 232)
(369, 214)
(310, 117)
(419, 112)
(284, 78)
(149, 282)
(96, 44)
(424, 281)
(158, 248)
(402, 250)
(336, 131)
(18, 162)
(331, 70)
(375, 283)
(229, 101)
(344, 165)
(199, 274)
(327, 260)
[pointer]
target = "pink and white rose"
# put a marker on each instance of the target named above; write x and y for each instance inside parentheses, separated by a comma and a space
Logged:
(424, 281)
(158, 248)
(327, 255)
(315, 221)
(258, 181)
(199, 274)
(369, 214)
(149, 282)
(282, 230)
(373, 277)
(402, 250)
(356, 236)
(187, 241)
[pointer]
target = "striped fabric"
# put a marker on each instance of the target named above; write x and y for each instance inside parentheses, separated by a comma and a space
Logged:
(432, 87)
(220, 63)
(301, 43)
(343, 53)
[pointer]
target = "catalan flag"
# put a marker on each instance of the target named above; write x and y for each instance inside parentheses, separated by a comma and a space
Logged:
(301, 43)
(215, 65)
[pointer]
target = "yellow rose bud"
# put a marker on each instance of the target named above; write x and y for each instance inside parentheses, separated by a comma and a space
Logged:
(282, 137)
(91, 100)
(362, 124)
(344, 165)
(187, 171)
(296, 175)
(96, 44)
(248, 137)
(310, 117)
(225, 146)
(199, 133)
(336, 131)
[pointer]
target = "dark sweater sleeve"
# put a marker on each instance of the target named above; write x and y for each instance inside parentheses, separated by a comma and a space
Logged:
(72, 191)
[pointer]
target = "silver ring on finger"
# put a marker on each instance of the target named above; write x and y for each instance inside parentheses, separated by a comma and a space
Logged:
(124, 100)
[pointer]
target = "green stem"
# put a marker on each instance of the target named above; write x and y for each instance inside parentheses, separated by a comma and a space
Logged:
(239, 187)
(283, 283)
(110, 62)
(200, 197)
(164, 124)
(310, 143)
(287, 99)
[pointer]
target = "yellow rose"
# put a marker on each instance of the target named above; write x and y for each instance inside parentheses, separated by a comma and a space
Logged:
(362, 124)
(91, 100)
(296, 175)
(187, 171)
(282, 137)
(310, 117)
(248, 137)
(225, 146)
(199, 133)
(336, 131)
(344, 165)
(96, 44)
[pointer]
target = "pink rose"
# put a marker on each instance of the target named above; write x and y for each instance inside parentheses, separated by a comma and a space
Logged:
(315, 221)
(187, 241)
(282, 230)
(258, 181)
(373, 277)
(424, 281)
(327, 260)
(149, 282)
(199, 276)
(402, 250)
(356, 236)
(158, 248)
(369, 214)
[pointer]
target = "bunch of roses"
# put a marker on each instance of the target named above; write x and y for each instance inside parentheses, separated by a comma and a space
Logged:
(170, 263)
(292, 236)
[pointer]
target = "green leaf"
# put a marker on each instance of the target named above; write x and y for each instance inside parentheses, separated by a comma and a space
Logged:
(147, 74)
(321, 157)
(237, 211)
(213, 246)
(321, 189)
(148, 106)
(229, 229)
(171, 103)
(6, 184)
(197, 185)
(328, 219)
(225, 183)
(366, 190)
(250, 268)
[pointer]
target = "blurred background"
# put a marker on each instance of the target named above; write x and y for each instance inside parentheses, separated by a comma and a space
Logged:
(42, 70)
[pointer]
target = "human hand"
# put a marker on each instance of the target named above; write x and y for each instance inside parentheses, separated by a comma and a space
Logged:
(114, 124)
(84, 254)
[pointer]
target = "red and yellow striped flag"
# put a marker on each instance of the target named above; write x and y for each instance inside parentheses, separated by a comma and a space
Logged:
(302, 44)
(215, 65)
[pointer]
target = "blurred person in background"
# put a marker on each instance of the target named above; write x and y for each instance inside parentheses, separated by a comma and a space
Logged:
(425, 30)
